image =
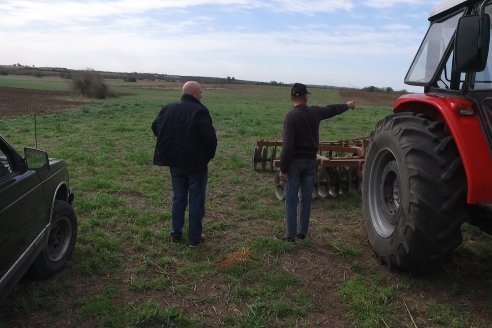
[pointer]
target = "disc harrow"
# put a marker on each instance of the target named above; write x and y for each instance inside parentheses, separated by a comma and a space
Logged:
(339, 166)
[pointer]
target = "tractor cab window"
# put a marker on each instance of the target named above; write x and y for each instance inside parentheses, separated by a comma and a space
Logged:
(483, 79)
(444, 82)
(432, 50)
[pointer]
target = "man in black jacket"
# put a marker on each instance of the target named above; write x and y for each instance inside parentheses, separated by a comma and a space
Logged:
(298, 158)
(186, 142)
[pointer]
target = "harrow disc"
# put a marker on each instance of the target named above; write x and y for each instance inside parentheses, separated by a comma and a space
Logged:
(334, 187)
(256, 158)
(279, 188)
(264, 158)
(355, 183)
(344, 175)
(272, 158)
(323, 183)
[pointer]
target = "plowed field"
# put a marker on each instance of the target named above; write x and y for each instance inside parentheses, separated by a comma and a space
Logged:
(16, 101)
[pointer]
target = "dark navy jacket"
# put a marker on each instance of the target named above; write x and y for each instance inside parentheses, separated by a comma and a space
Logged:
(301, 132)
(185, 135)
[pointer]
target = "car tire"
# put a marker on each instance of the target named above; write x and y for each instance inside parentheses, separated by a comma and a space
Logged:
(61, 241)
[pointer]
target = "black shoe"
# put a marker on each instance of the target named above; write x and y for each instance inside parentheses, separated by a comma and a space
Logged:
(202, 239)
(301, 236)
(281, 236)
(175, 238)
(193, 245)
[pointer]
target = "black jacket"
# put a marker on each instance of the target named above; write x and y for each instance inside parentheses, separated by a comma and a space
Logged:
(301, 132)
(185, 135)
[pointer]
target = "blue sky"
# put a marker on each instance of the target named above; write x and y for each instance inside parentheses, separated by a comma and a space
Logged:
(346, 43)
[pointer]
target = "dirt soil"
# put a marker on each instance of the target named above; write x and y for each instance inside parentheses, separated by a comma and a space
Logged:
(16, 101)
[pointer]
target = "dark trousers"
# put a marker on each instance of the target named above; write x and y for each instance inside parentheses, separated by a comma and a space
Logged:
(194, 186)
(300, 184)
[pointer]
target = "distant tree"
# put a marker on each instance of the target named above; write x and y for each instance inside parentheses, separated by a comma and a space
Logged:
(389, 89)
(4, 72)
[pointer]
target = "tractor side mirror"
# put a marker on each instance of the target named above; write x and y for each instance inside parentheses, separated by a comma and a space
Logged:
(471, 47)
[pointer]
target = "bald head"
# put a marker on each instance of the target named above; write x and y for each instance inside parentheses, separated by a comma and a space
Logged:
(192, 88)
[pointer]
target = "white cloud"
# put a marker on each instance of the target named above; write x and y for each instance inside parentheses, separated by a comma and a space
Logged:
(393, 3)
(23, 12)
(312, 6)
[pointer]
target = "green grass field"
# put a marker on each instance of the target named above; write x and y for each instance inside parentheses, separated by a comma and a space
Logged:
(126, 273)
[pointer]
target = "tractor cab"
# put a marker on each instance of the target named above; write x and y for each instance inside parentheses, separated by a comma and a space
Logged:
(454, 56)
(456, 26)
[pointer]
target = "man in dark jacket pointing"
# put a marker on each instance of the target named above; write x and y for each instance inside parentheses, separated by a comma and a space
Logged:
(298, 158)
(186, 142)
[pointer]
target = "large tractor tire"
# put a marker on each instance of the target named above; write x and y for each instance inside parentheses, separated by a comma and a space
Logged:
(414, 193)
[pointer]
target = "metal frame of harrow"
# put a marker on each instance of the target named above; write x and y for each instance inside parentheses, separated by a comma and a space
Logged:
(339, 166)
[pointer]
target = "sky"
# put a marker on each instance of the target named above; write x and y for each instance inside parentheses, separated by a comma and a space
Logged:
(344, 43)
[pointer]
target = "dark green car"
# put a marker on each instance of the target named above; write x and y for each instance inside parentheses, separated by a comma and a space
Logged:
(38, 226)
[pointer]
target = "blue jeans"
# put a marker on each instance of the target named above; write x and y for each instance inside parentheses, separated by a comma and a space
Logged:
(301, 175)
(194, 185)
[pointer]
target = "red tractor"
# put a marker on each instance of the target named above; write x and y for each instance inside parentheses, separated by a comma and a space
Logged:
(428, 166)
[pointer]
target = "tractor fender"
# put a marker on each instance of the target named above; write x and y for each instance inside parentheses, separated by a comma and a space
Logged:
(467, 134)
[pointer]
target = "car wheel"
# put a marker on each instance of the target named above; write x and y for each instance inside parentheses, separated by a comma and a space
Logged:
(61, 241)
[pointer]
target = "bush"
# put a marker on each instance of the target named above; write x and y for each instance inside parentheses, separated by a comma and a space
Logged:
(4, 72)
(66, 76)
(90, 84)
(130, 79)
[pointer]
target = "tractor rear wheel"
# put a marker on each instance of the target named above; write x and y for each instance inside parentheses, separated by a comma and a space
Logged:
(414, 193)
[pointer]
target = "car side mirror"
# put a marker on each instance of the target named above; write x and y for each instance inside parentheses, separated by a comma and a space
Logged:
(36, 159)
(471, 47)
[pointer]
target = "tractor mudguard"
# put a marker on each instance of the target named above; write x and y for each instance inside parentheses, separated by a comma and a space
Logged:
(467, 133)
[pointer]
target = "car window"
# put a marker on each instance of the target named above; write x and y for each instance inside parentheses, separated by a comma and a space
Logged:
(5, 167)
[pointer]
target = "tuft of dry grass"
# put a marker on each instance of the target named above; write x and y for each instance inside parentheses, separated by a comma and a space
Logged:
(241, 256)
